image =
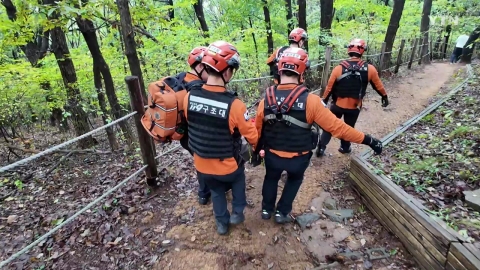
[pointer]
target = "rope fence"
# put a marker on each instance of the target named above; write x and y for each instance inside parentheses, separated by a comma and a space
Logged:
(405, 55)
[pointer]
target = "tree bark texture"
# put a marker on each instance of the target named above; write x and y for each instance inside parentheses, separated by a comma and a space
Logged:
(130, 46)
(290, 25)
(326, 18)
(87, 29)
(392, 28)
(424, 27)
(268, 26)
(69, 75)
(198, 7)
(448, 31)
(302, 18)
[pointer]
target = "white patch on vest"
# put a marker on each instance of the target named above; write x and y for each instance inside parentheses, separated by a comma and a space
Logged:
(323, 103)
(209, 102)
(246, 116)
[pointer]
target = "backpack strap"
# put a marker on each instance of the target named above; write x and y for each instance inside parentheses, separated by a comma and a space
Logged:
(291, 98)
(349, 68)
(188, 86)
(284, 107)
(345, 64)
(271, 99)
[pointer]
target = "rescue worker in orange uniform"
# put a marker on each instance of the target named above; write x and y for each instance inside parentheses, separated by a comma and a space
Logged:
(347, 86)
(284, 120)
(216, 121)
(296, 39)
(197, 76)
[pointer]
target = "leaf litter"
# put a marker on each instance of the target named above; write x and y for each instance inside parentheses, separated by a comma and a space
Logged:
(438, 158)
(125, 230)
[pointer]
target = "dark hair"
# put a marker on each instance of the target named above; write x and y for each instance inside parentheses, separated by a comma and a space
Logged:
(213, 72)
(354, 54)
(289, 73)
(292, 41)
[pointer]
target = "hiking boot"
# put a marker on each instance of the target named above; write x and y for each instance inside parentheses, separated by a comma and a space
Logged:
(202, 200)
(222, 229)
(281, 218)
(236, 219)
(320, 151)
(345, 151)
(266, 215)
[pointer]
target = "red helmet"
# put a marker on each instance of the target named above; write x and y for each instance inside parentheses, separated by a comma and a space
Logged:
(294, 59)
(357, 46)
(297, 34)
(196, 55)
(221, 55)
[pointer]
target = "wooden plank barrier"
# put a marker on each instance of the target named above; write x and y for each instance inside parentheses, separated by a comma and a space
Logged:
(431, 242)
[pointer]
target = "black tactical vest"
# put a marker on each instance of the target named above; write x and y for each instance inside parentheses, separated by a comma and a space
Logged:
(285, 135)
(208, 124)
(354, 80)
(274, 64)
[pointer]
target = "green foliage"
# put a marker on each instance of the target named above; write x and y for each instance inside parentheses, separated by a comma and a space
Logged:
(23, 91)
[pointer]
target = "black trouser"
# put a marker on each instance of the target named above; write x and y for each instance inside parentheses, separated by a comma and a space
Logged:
(203, 190)
(457, 52)
(350, 117)
(275, 165)
(219, 184)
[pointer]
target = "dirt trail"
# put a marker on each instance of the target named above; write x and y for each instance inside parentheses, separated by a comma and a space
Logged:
(259, 244)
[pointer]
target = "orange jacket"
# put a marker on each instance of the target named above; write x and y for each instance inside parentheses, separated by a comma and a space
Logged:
(191, 77)
(353, 103)
(317, 113)
(237, 120)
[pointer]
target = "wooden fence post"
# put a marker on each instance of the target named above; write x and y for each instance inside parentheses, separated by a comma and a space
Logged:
(399, 57)
(420, 50)
(147, 147)
(326, 69)
(431, 50)
(444, 48)
(382, 57)
(412, 54)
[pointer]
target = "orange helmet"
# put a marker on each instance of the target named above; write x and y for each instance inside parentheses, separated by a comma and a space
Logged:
(221, 55)
(357, 46)
(294, 59)
(196, 55)
(297, 34)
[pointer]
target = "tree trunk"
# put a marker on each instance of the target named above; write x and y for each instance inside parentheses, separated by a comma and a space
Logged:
(302, 18)
(326, 17)
(254, 42)
(392, 30)
(268, 26)
(35, 50)
(424, 27)
(171, 11)
(469, 46)
(67, 69)
(87, 29)
(130, 47)
(288, 5)
(97, 80)
(448, 31)
(198, 7)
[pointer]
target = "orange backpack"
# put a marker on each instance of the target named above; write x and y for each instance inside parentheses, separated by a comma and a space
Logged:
(164, 119)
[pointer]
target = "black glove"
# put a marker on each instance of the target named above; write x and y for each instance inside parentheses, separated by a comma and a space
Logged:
(385, 101)
(375, 144)
(255, 159)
